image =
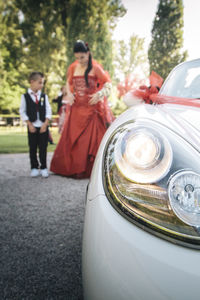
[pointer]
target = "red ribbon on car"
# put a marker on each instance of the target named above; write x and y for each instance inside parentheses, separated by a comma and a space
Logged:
(161, 99)
(150, 95)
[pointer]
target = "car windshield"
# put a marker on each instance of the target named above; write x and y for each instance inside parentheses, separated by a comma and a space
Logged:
(183, 81)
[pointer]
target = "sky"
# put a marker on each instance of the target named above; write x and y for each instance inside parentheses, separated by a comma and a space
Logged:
(139, 21)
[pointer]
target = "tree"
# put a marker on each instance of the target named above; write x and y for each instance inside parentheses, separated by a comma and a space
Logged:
(11, 53)
(167, 37)
(130, 59)
(131, 69)
(39, 35)
(93, 21)
(44, 41)
(32, 39)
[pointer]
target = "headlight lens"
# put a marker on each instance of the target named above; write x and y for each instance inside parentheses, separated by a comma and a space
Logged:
(143, 155)
(153, 180)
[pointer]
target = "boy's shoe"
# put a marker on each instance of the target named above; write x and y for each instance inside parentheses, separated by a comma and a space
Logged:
(34, 173)
(44, 173)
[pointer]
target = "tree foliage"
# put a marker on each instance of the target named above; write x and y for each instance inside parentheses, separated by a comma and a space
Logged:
(39, 35)
(92, 21)
(44, 40)
(165, 50)
(11, 53)
(131, 68)
(130, 58)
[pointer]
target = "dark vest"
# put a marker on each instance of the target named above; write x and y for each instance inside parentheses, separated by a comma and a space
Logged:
(31, 108)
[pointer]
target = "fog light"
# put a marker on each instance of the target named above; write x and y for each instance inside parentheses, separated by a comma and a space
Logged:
(184, 196)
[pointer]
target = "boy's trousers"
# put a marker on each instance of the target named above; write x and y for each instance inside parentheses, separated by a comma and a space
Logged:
(38, 140)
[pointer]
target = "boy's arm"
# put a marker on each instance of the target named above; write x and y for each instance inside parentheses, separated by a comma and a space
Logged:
(22, 109)
(47, 115)
(24, 116)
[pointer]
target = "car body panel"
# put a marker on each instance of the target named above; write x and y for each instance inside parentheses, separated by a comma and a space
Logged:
(150, 265)
(121, 260)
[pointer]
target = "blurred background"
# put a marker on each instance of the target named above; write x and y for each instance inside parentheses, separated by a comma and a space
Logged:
(130, 38)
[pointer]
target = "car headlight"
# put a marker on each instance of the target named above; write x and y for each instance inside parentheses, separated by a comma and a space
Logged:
(151, 176)
(143, 155)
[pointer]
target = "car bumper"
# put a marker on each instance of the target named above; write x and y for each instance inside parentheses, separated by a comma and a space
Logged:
(122, 261)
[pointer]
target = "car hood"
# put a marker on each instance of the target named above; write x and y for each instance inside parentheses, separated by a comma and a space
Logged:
(184, 120)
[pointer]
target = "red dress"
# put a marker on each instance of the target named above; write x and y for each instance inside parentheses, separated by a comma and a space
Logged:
(84, 127)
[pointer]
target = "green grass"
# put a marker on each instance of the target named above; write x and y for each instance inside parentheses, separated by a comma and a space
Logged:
(14, 140)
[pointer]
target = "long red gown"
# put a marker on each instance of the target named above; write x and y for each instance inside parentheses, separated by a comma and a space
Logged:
(84, 126)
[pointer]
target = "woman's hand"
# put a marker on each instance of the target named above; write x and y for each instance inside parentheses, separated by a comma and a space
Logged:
(99, 96)
(64, 90)
(94, 99)
(68, 98)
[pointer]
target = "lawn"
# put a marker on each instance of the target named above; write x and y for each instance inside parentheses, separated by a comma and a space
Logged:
(14, 139)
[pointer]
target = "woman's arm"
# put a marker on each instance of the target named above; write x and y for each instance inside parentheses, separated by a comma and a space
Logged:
(68, 95)
(105, 84)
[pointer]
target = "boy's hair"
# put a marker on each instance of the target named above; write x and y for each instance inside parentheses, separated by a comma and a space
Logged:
(35, 76)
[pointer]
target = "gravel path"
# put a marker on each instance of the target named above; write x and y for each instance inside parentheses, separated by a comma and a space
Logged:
(41, 224)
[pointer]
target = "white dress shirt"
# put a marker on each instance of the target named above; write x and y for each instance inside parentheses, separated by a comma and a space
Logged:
(22, 110)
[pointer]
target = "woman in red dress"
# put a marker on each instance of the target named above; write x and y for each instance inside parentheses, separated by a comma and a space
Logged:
(86, 121)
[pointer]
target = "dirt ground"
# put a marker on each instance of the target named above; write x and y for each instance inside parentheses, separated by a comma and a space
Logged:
(41, 222)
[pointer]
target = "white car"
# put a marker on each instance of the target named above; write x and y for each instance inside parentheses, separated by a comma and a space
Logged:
(142, 222)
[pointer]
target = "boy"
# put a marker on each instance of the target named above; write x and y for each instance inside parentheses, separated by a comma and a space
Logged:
(35, 110)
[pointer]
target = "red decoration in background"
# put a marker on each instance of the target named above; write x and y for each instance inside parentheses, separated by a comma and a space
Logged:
(144, 91)
(155, 79)
(129, 84)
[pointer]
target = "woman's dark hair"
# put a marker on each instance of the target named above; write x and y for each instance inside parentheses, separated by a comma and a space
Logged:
(81, 46)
